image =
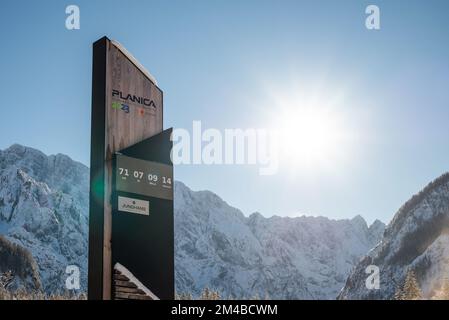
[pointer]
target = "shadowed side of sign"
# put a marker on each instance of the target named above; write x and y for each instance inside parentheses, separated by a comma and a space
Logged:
(142, 219)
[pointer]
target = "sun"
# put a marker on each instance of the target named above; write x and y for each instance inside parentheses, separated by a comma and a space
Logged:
(312, 133)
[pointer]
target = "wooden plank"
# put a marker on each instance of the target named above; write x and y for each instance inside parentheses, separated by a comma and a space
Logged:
(127, 296)
(120, 277)
(128, 290)
(139, 297)
(121, 296)
(124, 284)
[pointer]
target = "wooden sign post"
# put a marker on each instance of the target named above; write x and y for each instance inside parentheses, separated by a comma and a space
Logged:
(127, 108)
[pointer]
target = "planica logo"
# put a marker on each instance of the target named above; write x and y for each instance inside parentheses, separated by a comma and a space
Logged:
(146, 102)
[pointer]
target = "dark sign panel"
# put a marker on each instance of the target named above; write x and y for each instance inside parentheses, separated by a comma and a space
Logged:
(142, 217)
(142, 177)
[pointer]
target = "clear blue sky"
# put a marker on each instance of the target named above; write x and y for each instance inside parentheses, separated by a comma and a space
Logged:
(216, 62)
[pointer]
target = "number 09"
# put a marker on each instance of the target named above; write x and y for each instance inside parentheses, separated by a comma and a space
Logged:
(152, 177)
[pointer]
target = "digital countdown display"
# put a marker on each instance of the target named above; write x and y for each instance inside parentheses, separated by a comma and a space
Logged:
(143, 177)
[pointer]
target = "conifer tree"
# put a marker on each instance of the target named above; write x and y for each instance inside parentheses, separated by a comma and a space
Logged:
(399, 294)
(411, 289)
(208, 294)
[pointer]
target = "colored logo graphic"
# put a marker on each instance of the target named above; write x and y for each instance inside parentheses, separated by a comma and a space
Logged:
(120, 106)
(125, 108)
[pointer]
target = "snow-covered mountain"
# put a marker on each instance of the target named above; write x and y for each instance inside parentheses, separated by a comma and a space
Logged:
(417, 239)
(44, 215)
(44, 223)
(284, 258)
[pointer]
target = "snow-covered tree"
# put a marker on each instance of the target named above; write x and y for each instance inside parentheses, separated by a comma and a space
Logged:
(410, 290)
(399, 293)
(208, 294)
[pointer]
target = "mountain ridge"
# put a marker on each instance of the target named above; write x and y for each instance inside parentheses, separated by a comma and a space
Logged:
(210, 246)
(44, 209)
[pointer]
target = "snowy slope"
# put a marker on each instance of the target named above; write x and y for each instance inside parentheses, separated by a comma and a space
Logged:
(417, 239)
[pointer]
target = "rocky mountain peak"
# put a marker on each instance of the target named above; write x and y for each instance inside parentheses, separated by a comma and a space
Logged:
(43, 209)
(415, 240)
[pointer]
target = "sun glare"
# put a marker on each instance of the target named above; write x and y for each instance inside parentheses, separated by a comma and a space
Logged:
(313, 132)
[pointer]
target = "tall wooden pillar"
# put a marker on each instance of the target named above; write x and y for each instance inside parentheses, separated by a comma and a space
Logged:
(127, 108)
